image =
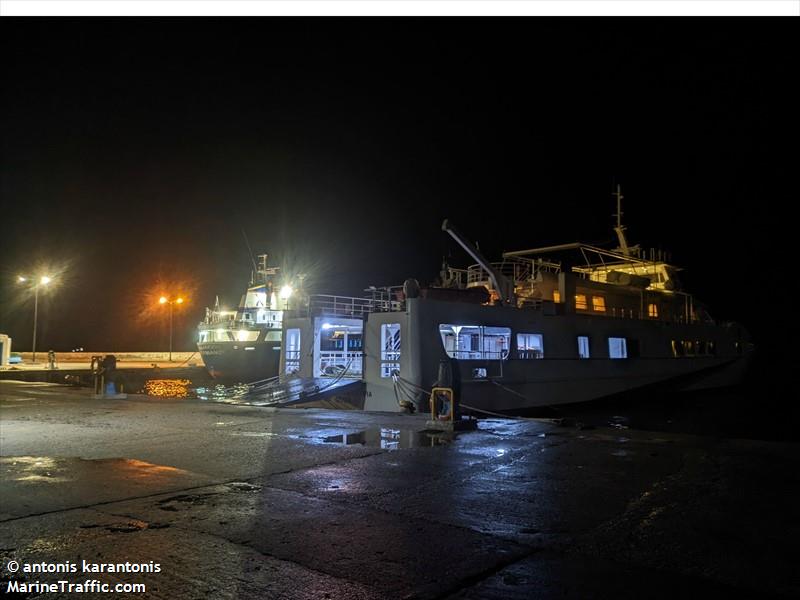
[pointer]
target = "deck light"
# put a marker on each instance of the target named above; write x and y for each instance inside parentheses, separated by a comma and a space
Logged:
(179, 300)
(162, 300)
(45, 280)
(286, 291)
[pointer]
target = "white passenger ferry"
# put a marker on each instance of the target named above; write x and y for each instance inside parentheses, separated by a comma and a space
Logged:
(542, 327)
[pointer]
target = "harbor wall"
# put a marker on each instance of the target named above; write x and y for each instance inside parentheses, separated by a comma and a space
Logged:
(86, 357)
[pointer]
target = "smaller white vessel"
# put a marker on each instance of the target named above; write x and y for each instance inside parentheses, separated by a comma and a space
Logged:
(243, 345)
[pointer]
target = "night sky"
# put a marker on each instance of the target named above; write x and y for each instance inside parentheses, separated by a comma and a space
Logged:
(135, 153)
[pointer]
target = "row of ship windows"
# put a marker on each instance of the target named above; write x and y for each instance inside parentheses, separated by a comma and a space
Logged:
(694, 348)
(599, 304)
(472, 342)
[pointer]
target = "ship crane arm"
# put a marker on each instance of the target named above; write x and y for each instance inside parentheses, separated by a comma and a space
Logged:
(501, 283)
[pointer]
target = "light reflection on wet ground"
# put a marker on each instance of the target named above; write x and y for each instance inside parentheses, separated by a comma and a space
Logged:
(391, 439)
(46, 469)
(168, 388)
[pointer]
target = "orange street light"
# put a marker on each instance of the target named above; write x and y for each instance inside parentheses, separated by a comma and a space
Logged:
(165, 300)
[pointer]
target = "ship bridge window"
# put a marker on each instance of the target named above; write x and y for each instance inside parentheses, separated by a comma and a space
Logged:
(583, 346)
(580, 302)
(246, 335)
(598, 304)
(273, 336)
(530, 345)
(652, 311)
(390, 349)
(475, 342)
(218, 335)
(617, 347)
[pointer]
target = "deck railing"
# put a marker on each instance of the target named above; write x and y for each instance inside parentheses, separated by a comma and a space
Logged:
(349, 306)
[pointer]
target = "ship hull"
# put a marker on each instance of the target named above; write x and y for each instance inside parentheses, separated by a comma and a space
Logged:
(237, 362)
(558, 376)
(570, 382)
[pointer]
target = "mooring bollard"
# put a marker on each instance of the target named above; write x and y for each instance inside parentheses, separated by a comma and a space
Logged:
(104, 372)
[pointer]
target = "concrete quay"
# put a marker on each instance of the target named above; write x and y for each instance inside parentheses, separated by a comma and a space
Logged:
(236, 501)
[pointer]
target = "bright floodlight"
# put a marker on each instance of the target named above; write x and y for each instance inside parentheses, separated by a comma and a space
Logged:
(286, 291)
(45, 280)
(22, 279)
(179, 300)
(162, 300)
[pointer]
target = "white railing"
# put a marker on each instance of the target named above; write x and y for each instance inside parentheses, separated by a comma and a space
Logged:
(516, 270)
(324, 304)
(477, 355)
(336, 363)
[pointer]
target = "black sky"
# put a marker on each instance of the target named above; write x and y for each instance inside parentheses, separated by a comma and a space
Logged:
(134, 153)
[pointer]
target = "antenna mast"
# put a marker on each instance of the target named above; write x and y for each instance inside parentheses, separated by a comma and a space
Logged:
(620, 228)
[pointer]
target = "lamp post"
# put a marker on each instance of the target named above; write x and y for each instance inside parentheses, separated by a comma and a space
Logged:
(165, 300)
(42, 280)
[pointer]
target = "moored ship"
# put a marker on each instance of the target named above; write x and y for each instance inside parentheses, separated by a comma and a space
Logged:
(544, 326)
(243, 345)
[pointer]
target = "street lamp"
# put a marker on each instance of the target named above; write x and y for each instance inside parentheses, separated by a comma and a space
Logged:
(42, 280)
(165, 300)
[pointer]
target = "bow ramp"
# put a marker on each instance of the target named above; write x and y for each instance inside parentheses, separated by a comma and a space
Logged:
(321, 392)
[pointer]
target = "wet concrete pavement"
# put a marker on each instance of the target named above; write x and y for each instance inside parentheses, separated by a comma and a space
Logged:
(247, 502)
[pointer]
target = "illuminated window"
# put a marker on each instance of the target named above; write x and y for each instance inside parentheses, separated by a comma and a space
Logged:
(583, 346)
(598, 304)
(475, 342)
(390, 349)
(689, 348)
(617, 348)
(580, 302)
(246, 335)
(292, 351)
(652, 311)
(530, 345)
(677, 348)
(556, 296)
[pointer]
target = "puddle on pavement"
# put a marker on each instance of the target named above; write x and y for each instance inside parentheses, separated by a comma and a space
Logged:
(47, 469)
(391, 439)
